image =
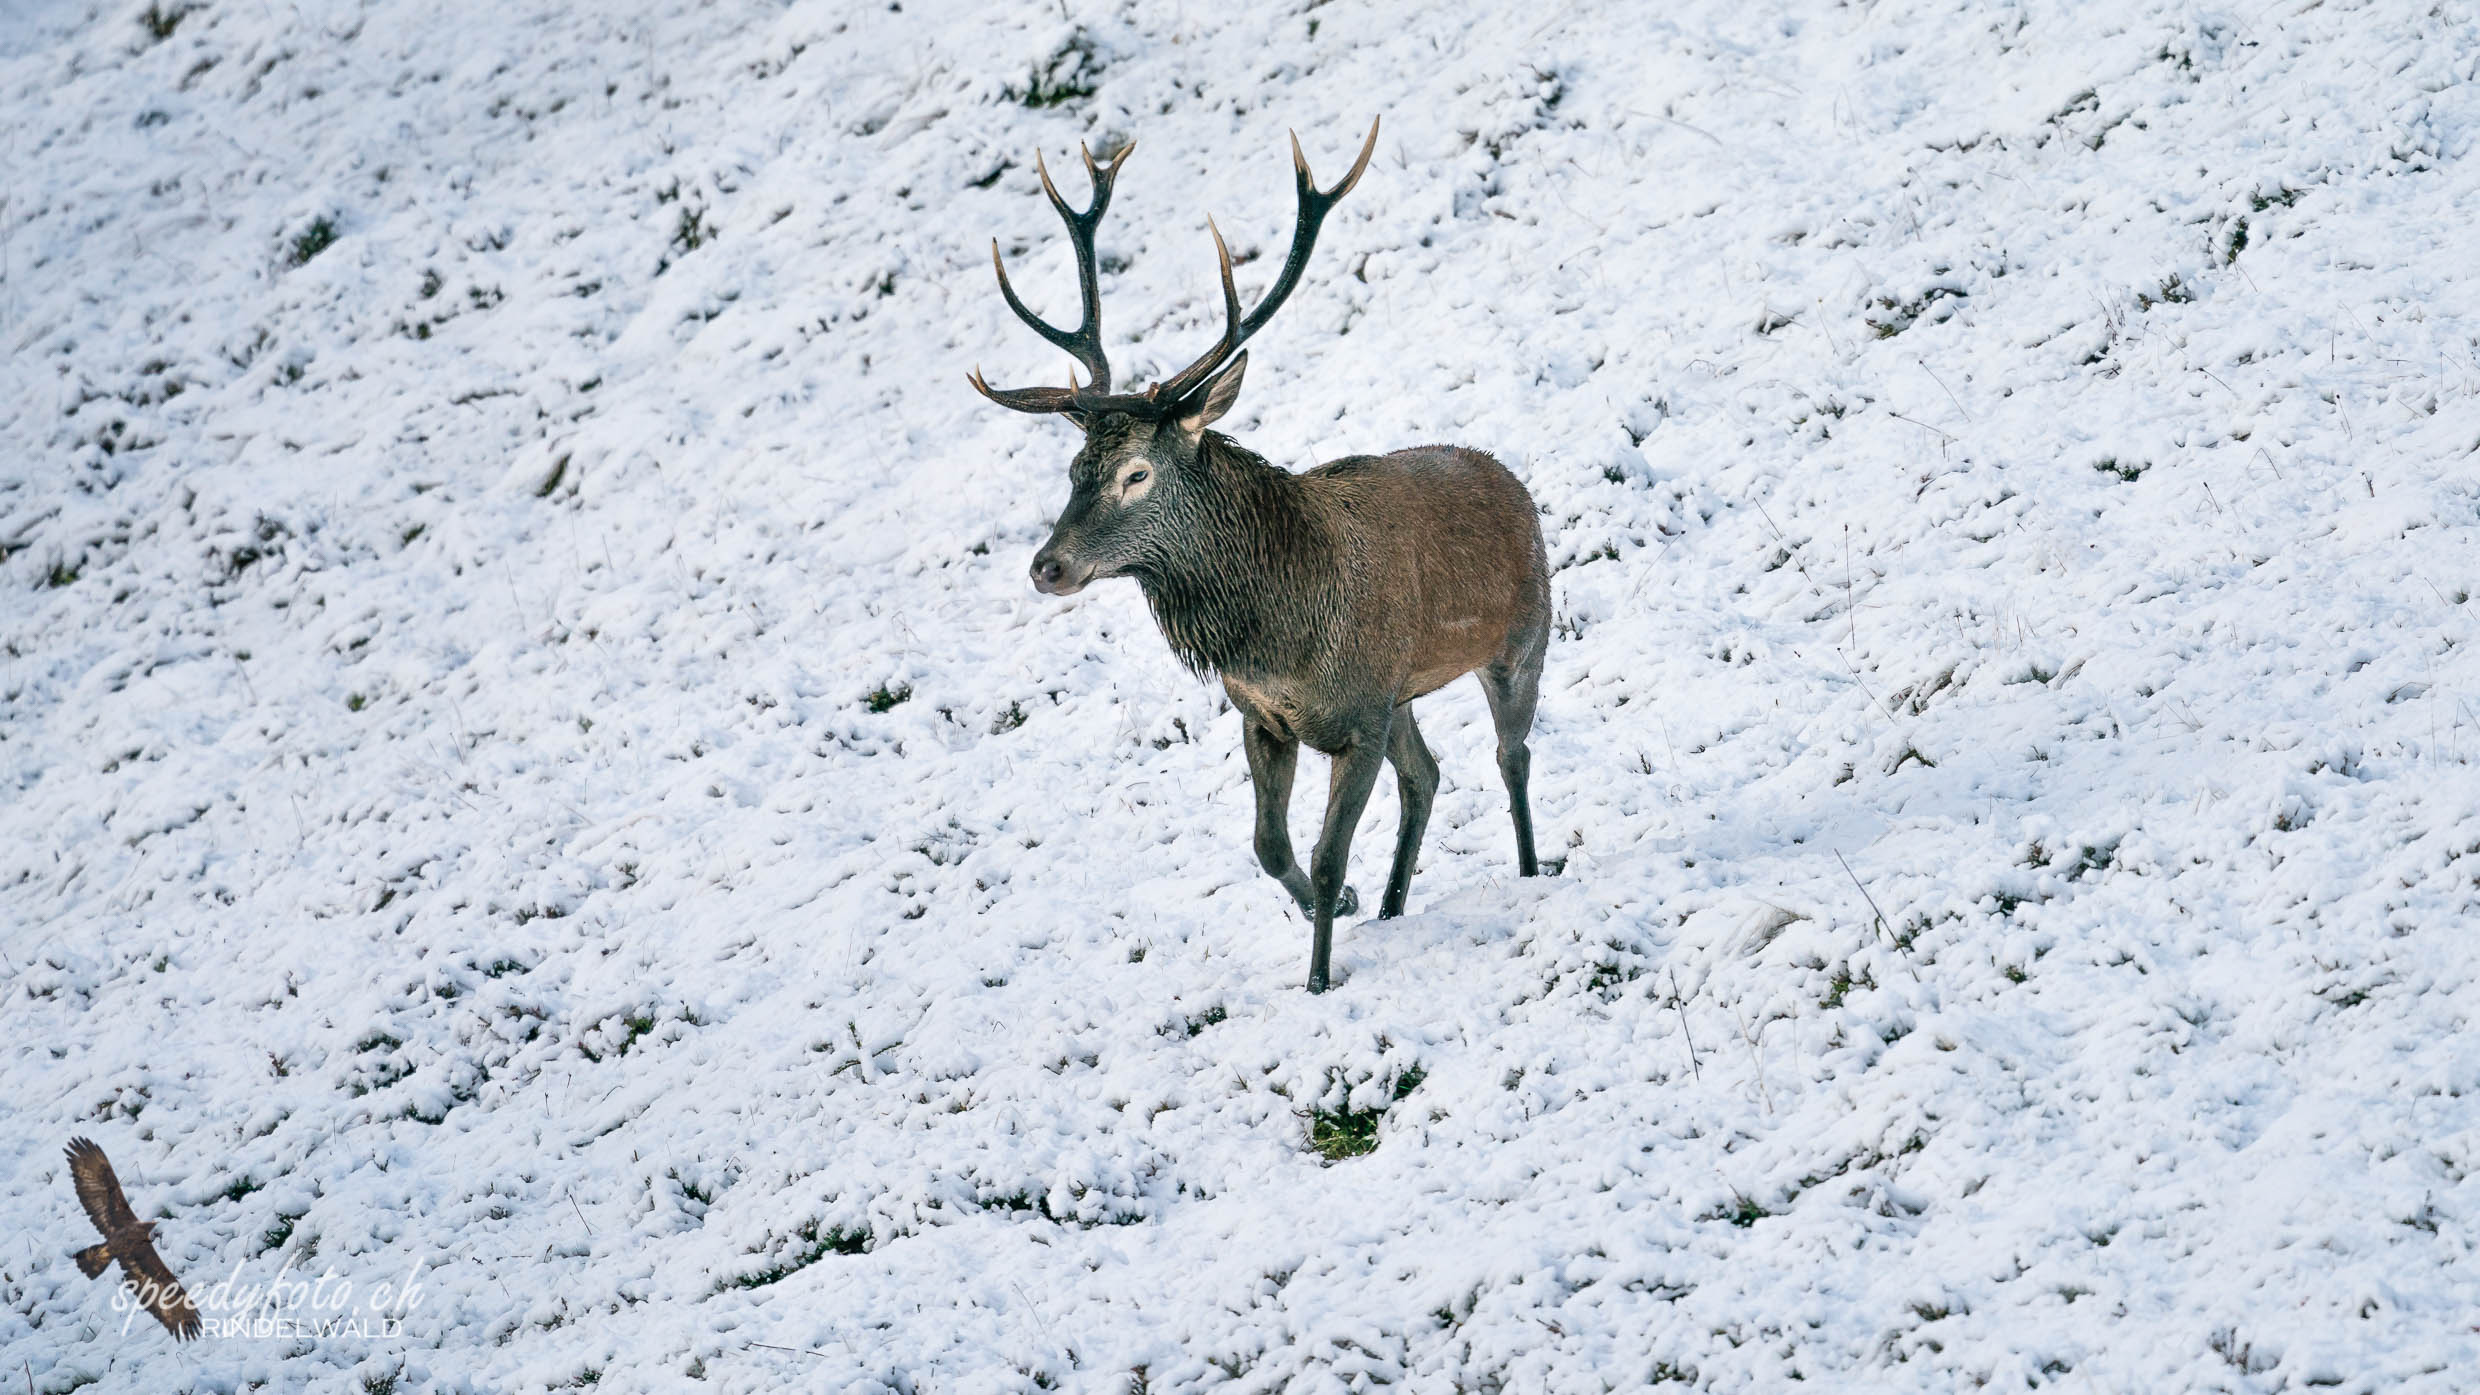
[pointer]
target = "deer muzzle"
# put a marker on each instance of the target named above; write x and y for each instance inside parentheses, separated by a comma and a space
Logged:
(1053, 576)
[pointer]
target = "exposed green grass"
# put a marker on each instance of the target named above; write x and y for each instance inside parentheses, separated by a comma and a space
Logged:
(159, 20)
(693, 232)
(1336, 1134)
(815, 1245)
(314, 239)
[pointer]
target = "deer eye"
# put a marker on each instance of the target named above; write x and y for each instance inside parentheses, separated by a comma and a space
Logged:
(1134, 477)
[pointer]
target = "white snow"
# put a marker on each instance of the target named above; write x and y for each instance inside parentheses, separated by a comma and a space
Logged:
(2025, 453)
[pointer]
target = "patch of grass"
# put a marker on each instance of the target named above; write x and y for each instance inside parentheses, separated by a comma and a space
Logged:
(885, 699)
(815, 1245)
(1344, 1133)
(356, 702)
(1609, 975)
(1895, 316)
(1909, 755)
(2172, 291)
(1068, 75)
(317, 238)
(2128, 471)
(60, 575)
(1839, 987)
(2236, 242)
(638, 1025)
(703, 1196)
(693, 231)
(1743, 1213)
(160, 20)
(1337, 1134)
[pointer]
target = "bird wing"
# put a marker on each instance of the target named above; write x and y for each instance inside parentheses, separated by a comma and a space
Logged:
(97, 1189)
(160, 1290)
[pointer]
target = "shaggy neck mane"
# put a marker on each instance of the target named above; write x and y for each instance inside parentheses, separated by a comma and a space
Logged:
(1255, 584)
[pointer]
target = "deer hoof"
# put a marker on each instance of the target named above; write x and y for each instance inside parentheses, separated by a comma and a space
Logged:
(1347, 901)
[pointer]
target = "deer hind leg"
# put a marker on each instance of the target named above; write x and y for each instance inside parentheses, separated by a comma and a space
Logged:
(1514, 688)
(1355, 774)
(1272, 761)
(1416, 781)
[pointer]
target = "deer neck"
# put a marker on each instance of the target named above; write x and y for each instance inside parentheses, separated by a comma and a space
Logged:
(1256, 579)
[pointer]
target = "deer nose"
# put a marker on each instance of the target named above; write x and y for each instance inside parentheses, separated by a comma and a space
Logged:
(1046, 572)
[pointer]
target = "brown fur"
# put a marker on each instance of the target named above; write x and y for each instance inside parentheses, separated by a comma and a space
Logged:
(1326, 602)
(1445, 536)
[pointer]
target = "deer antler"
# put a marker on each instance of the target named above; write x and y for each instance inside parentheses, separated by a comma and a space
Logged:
(1085, 342)
(1165, 398)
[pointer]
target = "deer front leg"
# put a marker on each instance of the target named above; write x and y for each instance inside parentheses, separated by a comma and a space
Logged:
(1272, 761)
(1355, 774)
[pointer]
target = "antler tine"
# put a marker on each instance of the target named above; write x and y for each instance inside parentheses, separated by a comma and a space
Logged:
(1025, 399)
(1300, 164)
(1314, 205)
(1084, 343)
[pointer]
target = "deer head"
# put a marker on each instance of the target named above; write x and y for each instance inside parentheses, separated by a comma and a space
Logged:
(1133, 488)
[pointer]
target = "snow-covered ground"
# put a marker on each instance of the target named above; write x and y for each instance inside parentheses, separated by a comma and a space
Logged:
(527, 749)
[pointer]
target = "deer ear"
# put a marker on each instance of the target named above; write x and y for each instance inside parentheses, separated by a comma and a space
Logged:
(1209, 405)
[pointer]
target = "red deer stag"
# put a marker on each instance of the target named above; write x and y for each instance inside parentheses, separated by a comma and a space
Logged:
(1326, 601)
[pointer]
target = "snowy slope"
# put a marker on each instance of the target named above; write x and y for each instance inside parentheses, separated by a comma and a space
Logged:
(526, 747)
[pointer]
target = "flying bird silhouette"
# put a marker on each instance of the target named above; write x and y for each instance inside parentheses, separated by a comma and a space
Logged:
(127, 1239)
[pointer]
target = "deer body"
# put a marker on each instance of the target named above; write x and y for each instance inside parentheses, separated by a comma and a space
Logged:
(1325, 601)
